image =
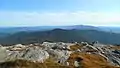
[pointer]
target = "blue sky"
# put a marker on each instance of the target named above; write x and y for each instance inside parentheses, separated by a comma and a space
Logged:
(59, 12)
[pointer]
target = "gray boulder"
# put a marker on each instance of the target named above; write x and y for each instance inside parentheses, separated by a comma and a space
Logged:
(3, 54)
(32, 54)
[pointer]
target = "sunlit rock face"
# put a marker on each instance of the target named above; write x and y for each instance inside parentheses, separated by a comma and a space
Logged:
(3, 53)
(32, 54)
(59, 56)
(59, 45)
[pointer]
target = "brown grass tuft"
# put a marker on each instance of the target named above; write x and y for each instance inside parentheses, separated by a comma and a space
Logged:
(115, 47)
(89, 61)
(75, 47)
(28, 64)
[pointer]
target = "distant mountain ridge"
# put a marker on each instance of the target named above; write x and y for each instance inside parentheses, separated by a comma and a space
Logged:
(45, 28)
(12, 30)
(61, 35)
(4, 34)
(111, 29)
(75, 33)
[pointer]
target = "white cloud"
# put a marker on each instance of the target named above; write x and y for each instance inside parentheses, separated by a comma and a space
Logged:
(58, 18)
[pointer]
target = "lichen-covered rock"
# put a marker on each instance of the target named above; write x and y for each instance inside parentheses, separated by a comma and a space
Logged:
(32, 54)
(3, 54)
(60, 56)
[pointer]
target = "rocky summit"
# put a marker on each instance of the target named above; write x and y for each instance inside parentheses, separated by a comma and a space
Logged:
(60, 55)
